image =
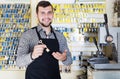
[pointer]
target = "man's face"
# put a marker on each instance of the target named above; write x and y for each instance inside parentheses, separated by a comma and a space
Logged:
(45, 16)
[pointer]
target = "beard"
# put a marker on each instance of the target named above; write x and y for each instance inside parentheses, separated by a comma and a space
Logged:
(45, 25)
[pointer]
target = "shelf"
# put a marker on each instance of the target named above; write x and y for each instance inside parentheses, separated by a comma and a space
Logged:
(92, 1)
(14, 1)
(67, 25)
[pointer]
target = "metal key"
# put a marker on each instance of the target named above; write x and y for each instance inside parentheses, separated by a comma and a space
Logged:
(40, 42)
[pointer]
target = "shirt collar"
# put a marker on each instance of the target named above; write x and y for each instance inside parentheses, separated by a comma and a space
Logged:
(39, 28)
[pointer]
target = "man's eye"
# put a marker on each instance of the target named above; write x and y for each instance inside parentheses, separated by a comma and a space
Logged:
(42, 13)
(50, 12)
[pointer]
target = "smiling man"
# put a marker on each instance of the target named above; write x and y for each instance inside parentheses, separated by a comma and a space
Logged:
(41, 47)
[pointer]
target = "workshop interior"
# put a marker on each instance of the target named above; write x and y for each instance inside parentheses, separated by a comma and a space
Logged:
(91, 27)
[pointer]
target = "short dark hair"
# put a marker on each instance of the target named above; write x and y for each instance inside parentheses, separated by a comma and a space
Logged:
(43, 4)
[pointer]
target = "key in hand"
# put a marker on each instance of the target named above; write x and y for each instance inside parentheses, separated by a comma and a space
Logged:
(40, 42)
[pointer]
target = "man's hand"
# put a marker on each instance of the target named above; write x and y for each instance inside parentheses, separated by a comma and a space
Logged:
(60, 56)
(38, 50)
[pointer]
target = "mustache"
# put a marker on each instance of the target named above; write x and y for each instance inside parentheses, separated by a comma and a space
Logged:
(47, 18)
(46, 25)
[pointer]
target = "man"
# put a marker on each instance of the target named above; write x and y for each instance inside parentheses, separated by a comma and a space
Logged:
(41, 47)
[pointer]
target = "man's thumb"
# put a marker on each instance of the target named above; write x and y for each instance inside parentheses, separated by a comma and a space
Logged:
(65, 51)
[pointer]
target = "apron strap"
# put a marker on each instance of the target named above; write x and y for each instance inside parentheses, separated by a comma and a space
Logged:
(38, 34)
(53, 32)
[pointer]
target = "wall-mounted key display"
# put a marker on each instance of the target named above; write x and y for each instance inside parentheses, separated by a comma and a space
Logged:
(79, 22)
(79, 12)
(83, 18)
(14, 19)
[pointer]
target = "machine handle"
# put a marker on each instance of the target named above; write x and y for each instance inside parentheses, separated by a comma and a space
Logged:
(95, 42)
(109, 38)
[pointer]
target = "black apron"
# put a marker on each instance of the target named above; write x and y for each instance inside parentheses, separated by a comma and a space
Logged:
(45, 66)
